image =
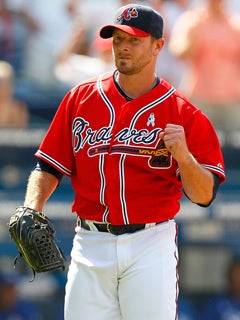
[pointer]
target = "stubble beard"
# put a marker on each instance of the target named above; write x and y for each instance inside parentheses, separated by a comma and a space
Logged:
(131, 68)
(123, 68)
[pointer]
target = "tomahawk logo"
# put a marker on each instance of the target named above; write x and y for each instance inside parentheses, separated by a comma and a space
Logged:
(128, 14)
(159, 157)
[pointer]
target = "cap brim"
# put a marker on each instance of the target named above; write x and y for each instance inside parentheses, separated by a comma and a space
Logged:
(107, 31)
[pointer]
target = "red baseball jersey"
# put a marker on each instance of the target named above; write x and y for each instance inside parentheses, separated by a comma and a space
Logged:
(120, 170)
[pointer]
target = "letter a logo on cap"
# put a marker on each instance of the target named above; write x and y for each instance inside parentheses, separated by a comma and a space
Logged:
(136, 20)
(128, 14)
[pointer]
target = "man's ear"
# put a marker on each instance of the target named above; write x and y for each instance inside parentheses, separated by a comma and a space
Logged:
(159, 43)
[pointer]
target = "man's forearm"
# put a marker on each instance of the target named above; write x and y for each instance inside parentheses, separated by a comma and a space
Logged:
(197, 182)
(40, 186)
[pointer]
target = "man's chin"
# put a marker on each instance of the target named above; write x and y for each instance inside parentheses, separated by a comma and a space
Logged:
(125, 70)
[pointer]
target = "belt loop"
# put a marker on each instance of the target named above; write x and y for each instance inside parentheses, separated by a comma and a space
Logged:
(91, 225)
(150, 225)
(78, 222)
(108, 227)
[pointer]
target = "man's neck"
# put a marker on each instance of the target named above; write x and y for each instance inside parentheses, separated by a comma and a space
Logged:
(135, 86)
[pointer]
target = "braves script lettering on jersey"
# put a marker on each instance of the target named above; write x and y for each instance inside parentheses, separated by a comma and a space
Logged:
(111, 149)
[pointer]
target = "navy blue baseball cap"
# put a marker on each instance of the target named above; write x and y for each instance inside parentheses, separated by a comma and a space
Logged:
(136, 20)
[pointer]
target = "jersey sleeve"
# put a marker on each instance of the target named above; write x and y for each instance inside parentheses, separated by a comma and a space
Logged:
(56, 147)
(203, 141)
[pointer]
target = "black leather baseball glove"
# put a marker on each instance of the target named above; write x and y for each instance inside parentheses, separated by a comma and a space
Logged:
(34, 235)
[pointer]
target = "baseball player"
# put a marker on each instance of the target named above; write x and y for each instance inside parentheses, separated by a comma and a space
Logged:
(130, 144)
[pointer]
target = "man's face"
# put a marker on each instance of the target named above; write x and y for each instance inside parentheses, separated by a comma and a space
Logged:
(132, 54)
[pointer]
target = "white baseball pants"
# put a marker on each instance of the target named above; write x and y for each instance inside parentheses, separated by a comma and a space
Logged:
(128, 277)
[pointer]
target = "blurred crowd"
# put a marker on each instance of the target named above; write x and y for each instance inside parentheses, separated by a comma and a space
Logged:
(47, 47)
(52, 46)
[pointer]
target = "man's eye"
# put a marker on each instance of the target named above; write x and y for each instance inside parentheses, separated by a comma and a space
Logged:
(117, 38)
(133, 39)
